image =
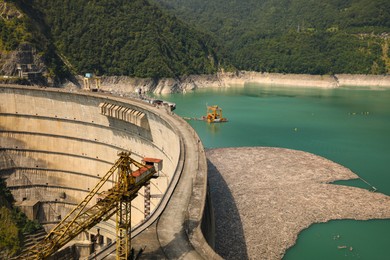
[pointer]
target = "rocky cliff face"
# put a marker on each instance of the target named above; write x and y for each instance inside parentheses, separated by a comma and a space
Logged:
(23, 63)
(126, 85)
(122, 84)
(24, 55)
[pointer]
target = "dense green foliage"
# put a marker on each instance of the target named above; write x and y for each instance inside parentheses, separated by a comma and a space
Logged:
(18, 28)
(12, 33)
(144, 38)
(123, 37)
(13, 223)
(295, 36)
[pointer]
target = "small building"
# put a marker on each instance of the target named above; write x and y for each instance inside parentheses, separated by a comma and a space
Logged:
(30, 208)
(28, 71)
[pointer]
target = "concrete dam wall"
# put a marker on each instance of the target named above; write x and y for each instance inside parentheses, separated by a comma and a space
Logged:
(55, 145)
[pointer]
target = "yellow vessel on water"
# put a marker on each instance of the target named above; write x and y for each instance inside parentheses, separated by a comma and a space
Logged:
(214, 115)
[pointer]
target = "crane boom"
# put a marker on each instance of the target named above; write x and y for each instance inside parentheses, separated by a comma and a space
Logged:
(131, 176)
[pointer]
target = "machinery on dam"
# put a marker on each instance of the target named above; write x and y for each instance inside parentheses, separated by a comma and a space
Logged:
(130, 177)
(214, 115)
(88, 80)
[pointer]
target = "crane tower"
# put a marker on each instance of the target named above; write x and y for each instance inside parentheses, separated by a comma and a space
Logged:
(131, 176)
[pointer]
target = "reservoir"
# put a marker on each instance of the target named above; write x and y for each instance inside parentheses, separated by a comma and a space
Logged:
(350, 126)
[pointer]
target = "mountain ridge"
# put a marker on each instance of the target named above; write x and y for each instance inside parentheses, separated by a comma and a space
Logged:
(131, 38)
(175, 38)
(295, 36)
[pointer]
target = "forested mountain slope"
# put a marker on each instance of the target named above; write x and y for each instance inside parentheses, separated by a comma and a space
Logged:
(144, 38)
(132, 38)
(296, 36)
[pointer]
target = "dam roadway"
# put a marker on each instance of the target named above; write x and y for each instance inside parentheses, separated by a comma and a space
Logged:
(55, 144)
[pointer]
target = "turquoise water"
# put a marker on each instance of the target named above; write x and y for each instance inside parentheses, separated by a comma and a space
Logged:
(348, 126)
(362, 239)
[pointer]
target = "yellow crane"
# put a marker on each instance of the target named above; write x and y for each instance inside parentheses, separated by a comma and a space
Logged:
(131, 176)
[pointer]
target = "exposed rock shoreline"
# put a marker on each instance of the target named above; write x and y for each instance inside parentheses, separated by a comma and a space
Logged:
(264, 197)
(124, 84)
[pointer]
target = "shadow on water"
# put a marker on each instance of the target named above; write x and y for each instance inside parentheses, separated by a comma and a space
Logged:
(229, 234)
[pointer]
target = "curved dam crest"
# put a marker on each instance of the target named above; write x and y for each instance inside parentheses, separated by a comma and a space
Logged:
(56, 144)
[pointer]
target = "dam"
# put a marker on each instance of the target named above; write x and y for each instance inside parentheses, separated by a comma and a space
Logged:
(56, 145)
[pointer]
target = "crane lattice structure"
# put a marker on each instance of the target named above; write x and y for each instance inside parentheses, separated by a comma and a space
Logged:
(131, 176)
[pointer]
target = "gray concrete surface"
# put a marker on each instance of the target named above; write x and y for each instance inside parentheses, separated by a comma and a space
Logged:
(57, 142)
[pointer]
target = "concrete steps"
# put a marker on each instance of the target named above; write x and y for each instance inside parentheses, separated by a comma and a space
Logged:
(32, 239)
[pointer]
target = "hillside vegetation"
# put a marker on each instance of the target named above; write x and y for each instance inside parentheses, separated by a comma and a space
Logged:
(172, 38)
(133, 38)
(296, 36)
(13, 27)
(13, 224)
(21, 28)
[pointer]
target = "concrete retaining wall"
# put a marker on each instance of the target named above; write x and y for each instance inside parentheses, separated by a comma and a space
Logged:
(55, 145)
(59, 144)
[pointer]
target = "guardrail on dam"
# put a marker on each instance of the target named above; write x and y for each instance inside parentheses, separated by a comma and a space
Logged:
(55, 145)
